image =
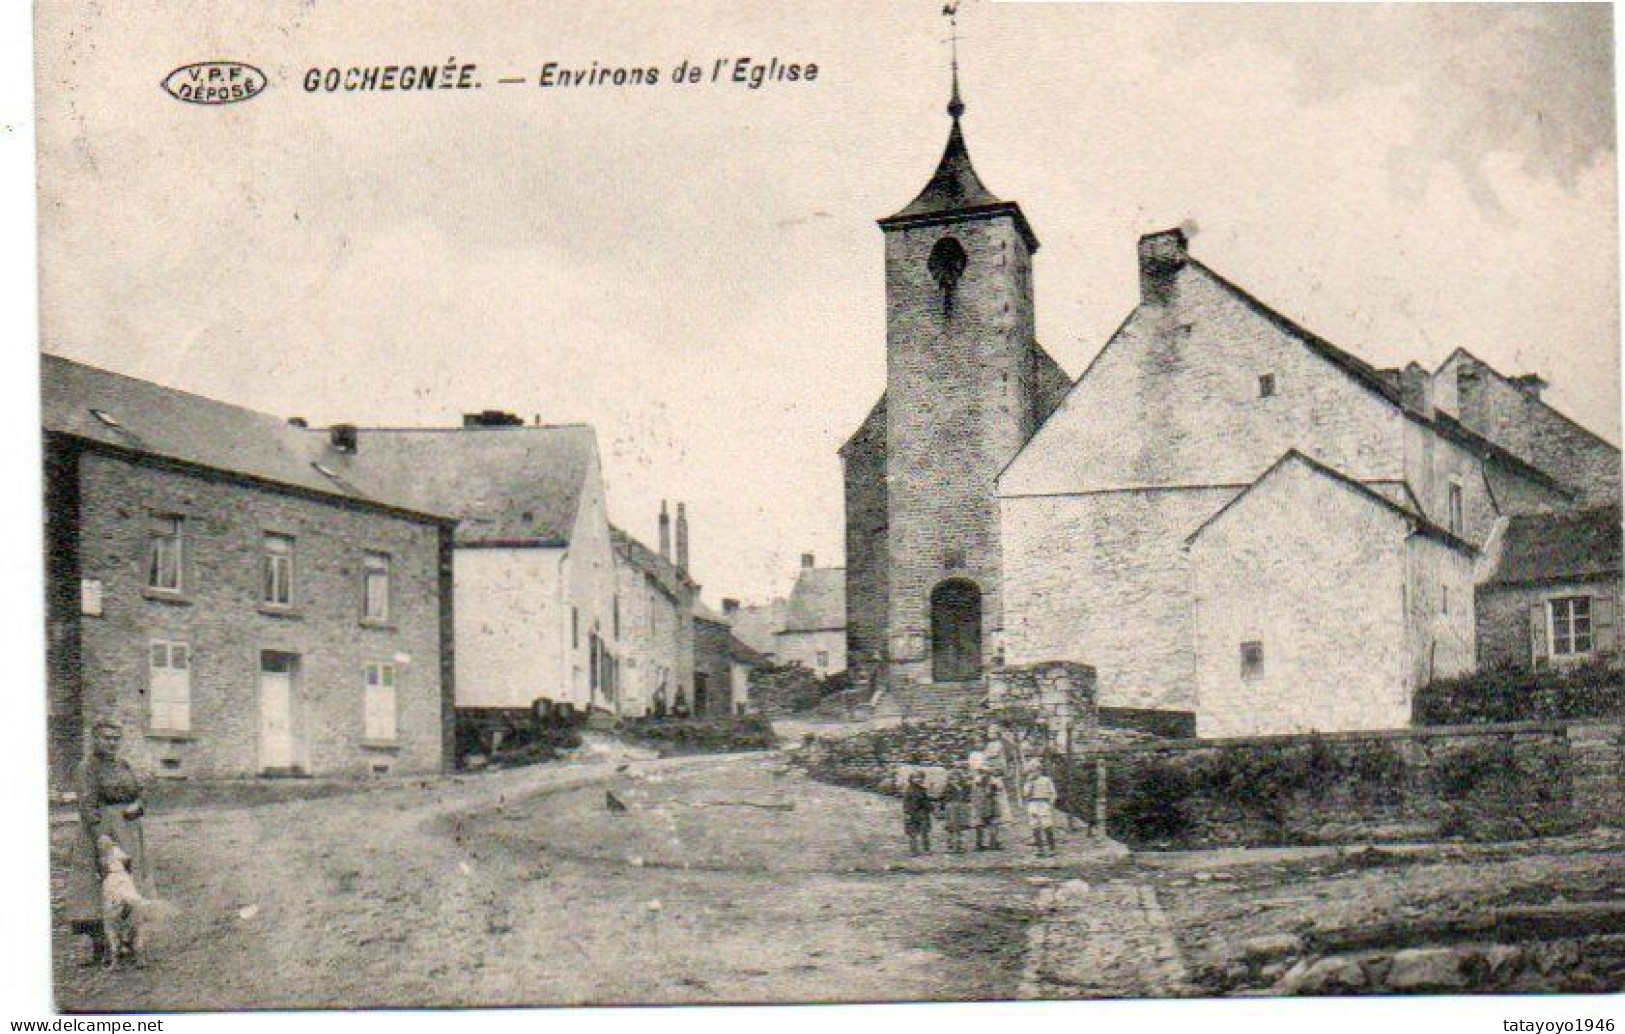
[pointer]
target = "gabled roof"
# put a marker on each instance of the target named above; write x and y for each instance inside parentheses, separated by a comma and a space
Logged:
(1419, 524)
(818, 602)
(1568, 546)
(757, 624)
(143, 418)
(664, 573)
(1510, 382)
(507, 485)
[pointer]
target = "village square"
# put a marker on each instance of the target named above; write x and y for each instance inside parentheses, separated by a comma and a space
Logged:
(1231, 664)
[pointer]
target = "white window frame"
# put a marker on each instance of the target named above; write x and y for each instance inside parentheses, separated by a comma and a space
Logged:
(380, 703)
(1572, 636)
(375, 564)
(169, 530)
(169, 695)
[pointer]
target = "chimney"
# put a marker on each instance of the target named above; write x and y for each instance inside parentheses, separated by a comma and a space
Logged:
(342, 437)
(1162, 255)
(1531, 384)
(298, 421)
(491, 418)
(807, 561)
(1416, 389)
(682, 538)
(665, 532)
(730, 607)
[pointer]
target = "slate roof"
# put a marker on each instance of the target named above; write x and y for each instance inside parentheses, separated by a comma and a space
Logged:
(1420, 524)
(665, 573)
(1567, 546)
(955, 191)
(818, 602)
(1374, 380)
(149, 419)
(507, 485)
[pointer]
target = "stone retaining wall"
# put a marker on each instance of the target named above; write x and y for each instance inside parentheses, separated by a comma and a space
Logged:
(1480, 782)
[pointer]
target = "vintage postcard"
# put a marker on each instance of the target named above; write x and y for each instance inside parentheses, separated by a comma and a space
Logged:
(615, 503)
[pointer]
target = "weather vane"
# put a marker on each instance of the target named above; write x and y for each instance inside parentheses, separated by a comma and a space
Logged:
(956, 107)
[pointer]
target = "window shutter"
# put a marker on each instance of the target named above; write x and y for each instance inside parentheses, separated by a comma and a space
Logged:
(1539, 651)
(1602, 623)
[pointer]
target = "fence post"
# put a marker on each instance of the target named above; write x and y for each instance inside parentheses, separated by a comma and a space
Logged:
(1100, 797)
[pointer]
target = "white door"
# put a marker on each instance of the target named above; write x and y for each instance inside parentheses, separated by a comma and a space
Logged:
(276, 720)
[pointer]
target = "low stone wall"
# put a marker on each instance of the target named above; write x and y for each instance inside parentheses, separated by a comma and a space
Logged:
(1479, 782)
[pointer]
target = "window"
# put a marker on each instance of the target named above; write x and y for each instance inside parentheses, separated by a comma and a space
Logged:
(1252, 660)
(278, 583)
(1571, 625)
(378, 704)
(1456, 519)
(164, 554)
(823, 658)
(169, 682)
(575, 629)
(617, 603)
(1444, 599)
(375, 587)
(1266, 385)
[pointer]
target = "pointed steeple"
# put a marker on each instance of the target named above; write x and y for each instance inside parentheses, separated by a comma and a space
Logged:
(954, 189)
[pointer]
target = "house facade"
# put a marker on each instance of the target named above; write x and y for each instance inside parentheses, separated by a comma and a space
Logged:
(534, 569)
(654, 631)
(242, 607)
(814, 631)
(722, 666)
(1551, 595)
(1197, 398)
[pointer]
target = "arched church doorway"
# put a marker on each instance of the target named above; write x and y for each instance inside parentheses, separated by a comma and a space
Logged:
(956, 631)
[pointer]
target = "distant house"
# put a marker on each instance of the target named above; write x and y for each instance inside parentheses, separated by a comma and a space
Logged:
(722, 666)
(534, 567)
(654, 627)
(1551, 596)
(245, 596)
(757, 625)
(814, 630)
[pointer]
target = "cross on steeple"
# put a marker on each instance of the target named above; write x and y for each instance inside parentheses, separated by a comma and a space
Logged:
(956, 107)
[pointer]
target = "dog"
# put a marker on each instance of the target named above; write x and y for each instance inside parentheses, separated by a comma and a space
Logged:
(124, 909)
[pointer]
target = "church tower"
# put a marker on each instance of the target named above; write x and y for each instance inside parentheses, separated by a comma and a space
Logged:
(966, 386)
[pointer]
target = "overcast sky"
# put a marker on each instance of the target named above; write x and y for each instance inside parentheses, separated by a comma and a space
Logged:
(696, 271)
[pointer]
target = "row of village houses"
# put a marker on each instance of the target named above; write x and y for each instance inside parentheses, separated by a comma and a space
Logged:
(249, 595)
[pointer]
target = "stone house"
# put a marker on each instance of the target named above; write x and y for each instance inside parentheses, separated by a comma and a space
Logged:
(757, 625)
(1282, 648)
(814, 631)
(722, 666)
(1201, 393)
(247, 597)
(1551, 594)
(655, 630)
(534, 565)
(1512, 412)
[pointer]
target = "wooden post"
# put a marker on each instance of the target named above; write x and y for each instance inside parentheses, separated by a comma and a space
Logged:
(1100, 796)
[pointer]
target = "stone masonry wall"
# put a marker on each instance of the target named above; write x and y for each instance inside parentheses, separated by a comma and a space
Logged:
(1519, 421)
(1502, 615)
(864, 470)
(218, 614)
(960, 403)
(1478, 781)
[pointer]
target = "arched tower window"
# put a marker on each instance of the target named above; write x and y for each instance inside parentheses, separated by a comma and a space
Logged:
(947, 265)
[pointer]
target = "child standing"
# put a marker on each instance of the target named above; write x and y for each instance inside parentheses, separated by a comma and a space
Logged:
(987, 810)
(956, 811)
(1040, 795)
(917, 815)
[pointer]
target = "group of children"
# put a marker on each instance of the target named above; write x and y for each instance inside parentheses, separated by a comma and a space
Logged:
(974, 798)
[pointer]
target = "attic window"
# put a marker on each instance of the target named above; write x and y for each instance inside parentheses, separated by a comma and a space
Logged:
(1266, 385)
(107, 418)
